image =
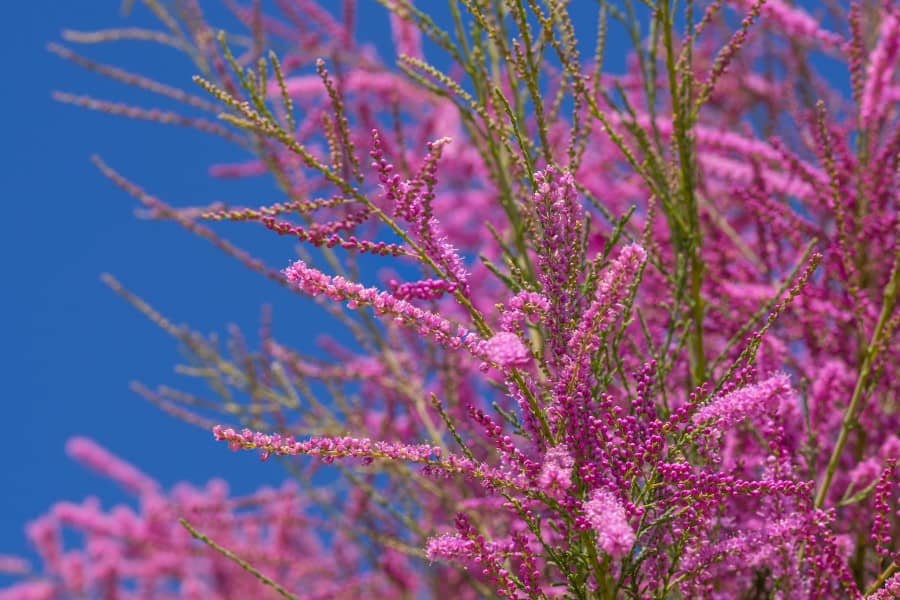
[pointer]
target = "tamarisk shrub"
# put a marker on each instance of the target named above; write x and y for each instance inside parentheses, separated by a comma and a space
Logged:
(638, 338)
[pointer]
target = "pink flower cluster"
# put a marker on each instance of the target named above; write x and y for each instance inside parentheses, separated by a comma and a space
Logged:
(608, 519)
(724, 412)
(316, 283)
(327, 448)
(507, 350)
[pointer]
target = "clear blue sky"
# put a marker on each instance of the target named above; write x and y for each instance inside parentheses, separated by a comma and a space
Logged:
(70, 346)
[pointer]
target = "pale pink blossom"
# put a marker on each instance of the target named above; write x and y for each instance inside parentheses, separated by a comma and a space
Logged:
(507, 350)
(724, 412)
(607, 517)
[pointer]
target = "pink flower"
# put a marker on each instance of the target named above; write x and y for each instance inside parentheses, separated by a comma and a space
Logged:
(890, 590)
(507, 350)
(726, 411)
(606, 516)
(556, 472)
(448, 546)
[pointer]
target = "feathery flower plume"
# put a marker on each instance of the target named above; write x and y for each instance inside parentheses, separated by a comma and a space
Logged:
(559, 261)
(607, 517)
(724, 412)
(337, 288)
(448, 546)
(506, 350)
(606, 305)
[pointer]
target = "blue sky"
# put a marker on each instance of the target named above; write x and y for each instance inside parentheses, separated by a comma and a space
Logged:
(71, 346)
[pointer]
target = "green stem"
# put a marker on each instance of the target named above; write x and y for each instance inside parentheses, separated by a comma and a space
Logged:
(691, 239)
